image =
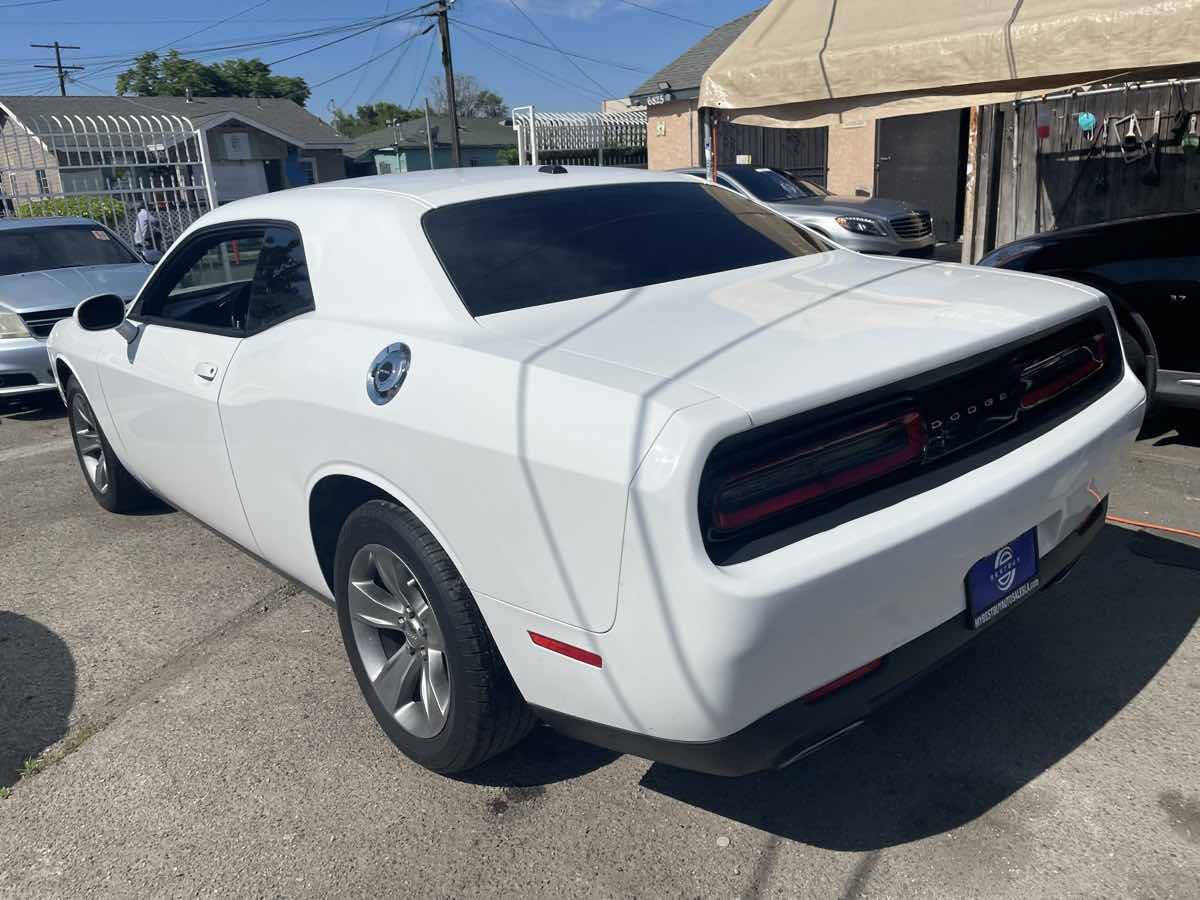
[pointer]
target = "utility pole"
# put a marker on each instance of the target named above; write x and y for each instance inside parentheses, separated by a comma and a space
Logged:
(428, 135)
(448, 62)
(62, 70)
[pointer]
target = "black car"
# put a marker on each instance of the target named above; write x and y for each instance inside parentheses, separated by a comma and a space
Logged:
(1150, 268)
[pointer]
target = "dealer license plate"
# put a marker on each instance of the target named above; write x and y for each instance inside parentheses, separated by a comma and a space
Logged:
(1002, 579)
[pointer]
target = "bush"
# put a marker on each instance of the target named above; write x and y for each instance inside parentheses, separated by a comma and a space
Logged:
(105, 209)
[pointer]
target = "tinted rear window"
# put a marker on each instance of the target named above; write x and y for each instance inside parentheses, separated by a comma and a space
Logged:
(59, 247)
(522, 250)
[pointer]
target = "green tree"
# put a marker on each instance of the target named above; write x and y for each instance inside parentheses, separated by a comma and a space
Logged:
(174, 75)
(371, 117)
(473, 100)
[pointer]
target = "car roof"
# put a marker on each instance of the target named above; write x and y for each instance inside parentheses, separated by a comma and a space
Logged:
(1074, 230)
(443, 186)
(44, 222)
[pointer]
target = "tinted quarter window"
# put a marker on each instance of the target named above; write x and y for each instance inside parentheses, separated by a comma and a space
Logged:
(60, 247)
(522, 250)
(280, 288)
(771, 186)
(208, 286)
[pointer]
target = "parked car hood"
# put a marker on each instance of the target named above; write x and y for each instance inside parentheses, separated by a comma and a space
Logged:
(62, 288)
(793, 335)
(838, 206)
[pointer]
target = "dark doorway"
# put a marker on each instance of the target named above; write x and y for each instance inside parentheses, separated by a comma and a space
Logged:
(274, 174)
(923, 159)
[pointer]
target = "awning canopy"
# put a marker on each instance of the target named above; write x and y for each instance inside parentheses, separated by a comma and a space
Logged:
(815, 62)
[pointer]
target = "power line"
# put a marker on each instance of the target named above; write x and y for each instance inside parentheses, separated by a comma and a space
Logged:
(663, 12)
(379, 24)
(367, 62)
(519, 39)
(28, 3)
(537, 70)
(421, 80)
(58, 64)
(394, 67)
(387, 6)
(578, 67)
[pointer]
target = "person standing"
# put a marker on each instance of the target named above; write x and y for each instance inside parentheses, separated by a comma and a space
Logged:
(145, 230)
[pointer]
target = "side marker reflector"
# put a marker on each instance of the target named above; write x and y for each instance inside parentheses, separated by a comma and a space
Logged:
(576, 653)
(849, 678)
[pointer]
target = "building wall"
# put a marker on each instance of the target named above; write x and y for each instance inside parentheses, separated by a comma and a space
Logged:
(673, 135)
(20, 156)
(330, 166)
(852, 159)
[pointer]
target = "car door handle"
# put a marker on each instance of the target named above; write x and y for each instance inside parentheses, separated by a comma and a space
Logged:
(205, 371)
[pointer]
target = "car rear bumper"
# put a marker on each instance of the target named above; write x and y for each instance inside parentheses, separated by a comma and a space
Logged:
(801, 727)
(24, 367)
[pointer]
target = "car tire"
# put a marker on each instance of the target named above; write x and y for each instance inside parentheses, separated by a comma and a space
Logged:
(417, 643)
(109, 481)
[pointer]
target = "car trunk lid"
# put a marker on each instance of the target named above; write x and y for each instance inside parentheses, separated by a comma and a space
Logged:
(793, 335)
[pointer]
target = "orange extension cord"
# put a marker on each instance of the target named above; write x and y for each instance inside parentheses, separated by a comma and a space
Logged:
(1121, 520)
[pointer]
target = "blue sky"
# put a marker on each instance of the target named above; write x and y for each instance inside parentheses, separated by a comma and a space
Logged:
(610, 30)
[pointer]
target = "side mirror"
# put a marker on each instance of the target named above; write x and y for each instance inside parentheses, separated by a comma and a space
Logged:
(100, 313)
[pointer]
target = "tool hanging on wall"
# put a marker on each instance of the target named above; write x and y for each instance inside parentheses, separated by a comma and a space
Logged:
(1133, 147)
(1190, 142)
(1151, 176)
(1087, 124)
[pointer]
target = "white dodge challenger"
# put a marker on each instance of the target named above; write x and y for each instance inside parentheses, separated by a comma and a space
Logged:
(621, 451)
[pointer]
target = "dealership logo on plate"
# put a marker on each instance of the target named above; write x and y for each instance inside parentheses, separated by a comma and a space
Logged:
(1005, 568)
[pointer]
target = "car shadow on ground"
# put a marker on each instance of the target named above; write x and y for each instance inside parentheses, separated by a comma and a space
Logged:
(1176, 427)
(544, 757)
(37, 690)
(36, 408)
(1013, 704)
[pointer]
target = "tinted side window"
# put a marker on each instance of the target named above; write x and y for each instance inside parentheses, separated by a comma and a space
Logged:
(281, 288)
(208, 287)
(521, 250)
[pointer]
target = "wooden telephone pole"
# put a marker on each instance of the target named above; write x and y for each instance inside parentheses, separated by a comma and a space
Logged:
(62, 70)
(448, 63)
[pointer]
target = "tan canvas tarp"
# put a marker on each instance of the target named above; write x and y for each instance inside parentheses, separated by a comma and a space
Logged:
(813, 61)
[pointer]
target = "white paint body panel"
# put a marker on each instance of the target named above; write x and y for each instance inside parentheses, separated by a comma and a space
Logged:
(556, 452)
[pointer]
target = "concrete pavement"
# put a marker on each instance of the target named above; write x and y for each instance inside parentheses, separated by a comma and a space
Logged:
(232, 754)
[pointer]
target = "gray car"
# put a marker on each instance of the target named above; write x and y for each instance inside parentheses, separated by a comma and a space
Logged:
(865, 224)
(47, 266)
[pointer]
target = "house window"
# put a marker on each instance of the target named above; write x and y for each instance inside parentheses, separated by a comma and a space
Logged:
(383, 166)
(308, 166)
(473, 161)
(43, 182)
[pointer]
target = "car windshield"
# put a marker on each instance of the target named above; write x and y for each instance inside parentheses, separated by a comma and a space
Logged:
(814, 190)
(59, 247)
(522, 250)
(770, 186)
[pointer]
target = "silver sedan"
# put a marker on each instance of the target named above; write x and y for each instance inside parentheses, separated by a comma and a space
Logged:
(47, 266)
(865, 224)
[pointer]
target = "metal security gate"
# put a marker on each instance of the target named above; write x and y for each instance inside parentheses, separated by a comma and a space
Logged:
(580, 139)
(802, 152)
(106, 168)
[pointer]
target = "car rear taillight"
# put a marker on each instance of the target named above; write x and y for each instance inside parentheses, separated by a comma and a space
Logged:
(1048, 378)
(805, 468)
(844, 681)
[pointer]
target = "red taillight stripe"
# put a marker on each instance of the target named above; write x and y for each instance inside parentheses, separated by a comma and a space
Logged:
(914, 427)
(849, 678)
(577, 653)
(1039, 395)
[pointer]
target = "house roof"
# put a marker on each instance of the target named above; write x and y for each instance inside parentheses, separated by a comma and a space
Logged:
(284, 118)
(685, 72)
(472, 133)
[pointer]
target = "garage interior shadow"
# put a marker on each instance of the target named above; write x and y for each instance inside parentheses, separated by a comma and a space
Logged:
(37, 690)
(1011, 705)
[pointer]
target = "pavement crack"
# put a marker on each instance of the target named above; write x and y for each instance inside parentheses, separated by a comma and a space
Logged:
(183, 662)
